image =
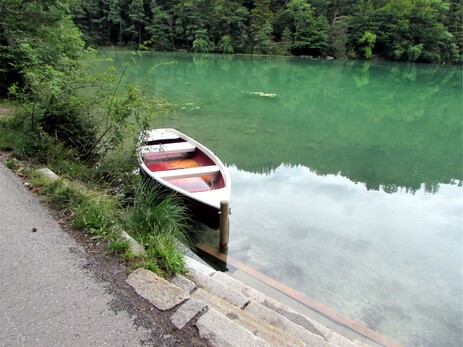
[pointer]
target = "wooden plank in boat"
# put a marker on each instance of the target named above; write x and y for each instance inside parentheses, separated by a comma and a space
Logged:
(185, 173)
(168, 148)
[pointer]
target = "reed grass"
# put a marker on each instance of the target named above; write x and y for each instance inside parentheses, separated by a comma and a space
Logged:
(159, 220)
(120, 246)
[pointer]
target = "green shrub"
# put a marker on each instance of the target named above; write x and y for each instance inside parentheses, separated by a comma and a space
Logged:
(72, 128)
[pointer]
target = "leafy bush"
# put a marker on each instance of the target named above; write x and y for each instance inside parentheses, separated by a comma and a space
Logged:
(68, 125)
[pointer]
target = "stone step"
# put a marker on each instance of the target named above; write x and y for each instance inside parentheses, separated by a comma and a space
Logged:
(267, 309)
(187, 311)
(334, 338)
(183, 283)
(257, 297)
(223, 332)
(272, 335)
(280, 322)
(161, 293)
(210, 280)
(230, 312)
(193, 265)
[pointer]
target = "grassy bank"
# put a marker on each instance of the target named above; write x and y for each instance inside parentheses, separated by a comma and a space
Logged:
(102, 199)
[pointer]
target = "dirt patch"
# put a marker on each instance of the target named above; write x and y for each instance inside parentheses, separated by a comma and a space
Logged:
(113, 272)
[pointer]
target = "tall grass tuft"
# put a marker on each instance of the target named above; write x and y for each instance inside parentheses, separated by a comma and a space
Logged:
(159, 220)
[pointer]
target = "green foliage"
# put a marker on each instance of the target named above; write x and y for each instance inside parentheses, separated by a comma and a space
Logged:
(261, 16)
(402, 26)
(70, 126)
(137, 19)
(367, 42)
(310, 32)
(339, 36)
(263, 43)
(89, 114)
(225, 44)
(36, 40)
(119, 245)
(25, 143)
(10, 164)
(283, 47)
(149, 265)
(318, 27)
(164, 249)
(59, 195)
(94, 213)
(154, 211)
(160, 29)
(414, 52)
(202, 43)
(188, 20)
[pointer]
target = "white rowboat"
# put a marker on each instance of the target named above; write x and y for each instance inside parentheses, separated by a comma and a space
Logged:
(183, 165)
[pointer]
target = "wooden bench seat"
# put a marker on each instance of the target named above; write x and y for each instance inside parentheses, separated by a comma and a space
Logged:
(168, 148)
(186, 173)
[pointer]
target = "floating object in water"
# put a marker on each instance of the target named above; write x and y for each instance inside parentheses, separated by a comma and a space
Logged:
(266, 95)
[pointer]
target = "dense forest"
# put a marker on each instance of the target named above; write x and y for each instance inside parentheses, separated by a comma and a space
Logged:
(401, 30)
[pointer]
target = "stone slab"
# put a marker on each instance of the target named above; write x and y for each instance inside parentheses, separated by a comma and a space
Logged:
(219, 288)
(193, 265)
(333, 338)
(184, 283)
(135, 248)
(223, 332)
(187, 312)
(282, 323)
(258, 327)
(48, 174)
(292, 315)
(162, 294)
(228, 281)
(337, 340)
(253, 294)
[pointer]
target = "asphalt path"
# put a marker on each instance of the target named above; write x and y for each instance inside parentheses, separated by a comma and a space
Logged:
(47, 297)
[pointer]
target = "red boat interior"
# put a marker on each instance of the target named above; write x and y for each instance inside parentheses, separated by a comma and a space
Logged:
(188, 158)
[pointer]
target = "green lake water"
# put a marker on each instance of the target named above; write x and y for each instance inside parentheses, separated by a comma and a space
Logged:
(346, 178)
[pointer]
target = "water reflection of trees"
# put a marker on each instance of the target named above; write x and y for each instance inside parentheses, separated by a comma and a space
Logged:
(387, 125)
